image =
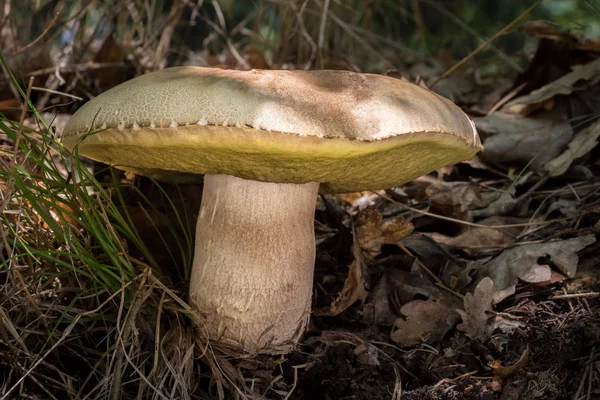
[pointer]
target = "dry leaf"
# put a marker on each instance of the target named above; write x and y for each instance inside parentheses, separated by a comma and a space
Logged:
(436, 256)
(11, 109)
(508, 324)
(366, 354)
(110, 52)
(582, 77)
(255, 57)
(477, 322)
(426, 320)
(513, 140)
(546, 30)
(583, 142)
(393, 290)
(522, 263)
(507, 371)
(475, 239)
(568, 208)
(493, 203)
(372, 231)
(452, 198)
(354, 287)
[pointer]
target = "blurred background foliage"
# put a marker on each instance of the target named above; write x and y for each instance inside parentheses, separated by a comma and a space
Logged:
(431, 27)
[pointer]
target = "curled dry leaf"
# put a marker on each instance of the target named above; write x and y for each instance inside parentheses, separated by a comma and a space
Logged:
(372, 231)
(583, 142)
(522, 263)
(393, 290)
(582, 77)
(452, 198)
(513, 140)
(474, 239)
(354, 287)
(477, 322)
(507, 371)
(543, 29)
(568, 208)
(493, 203)
(426, 320)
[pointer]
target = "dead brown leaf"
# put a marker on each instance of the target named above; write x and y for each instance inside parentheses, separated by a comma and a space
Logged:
(583, 142)
(513, 140)
(354, 286)
(11, 109)
(366, 354)
(507, 371)
(493, 203)
(393, 290)
(372, 231)
(452, 198)
(474, 239)
(477, 322)
(580, 78)
(426, 320)
(109, 52)
(546, 30)
(522, 263)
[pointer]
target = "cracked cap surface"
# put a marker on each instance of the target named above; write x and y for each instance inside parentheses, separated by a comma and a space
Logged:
(346, 130)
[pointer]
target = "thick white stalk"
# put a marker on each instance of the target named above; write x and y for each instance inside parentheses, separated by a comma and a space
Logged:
(254, 262)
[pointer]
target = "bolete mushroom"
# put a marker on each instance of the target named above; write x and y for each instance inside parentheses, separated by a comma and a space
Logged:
(267, 142)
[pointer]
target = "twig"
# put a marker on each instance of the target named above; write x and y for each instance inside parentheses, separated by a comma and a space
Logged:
(458, 221)
(41, 89)
(438, 281)
(574, 295)
(507, 97)
(41, 36)
(485, 44)
(76, 68)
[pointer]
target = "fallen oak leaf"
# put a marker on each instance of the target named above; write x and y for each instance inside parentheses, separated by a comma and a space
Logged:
(426, 320)
(372, 231)
(477, 323)
(522, 263)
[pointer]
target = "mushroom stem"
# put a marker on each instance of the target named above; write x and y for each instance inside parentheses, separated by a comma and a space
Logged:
(254, 260)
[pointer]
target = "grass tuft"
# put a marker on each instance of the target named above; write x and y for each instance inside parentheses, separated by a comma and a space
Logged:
(80, 318)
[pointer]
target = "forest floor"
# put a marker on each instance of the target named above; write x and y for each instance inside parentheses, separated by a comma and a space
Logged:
(478, 281)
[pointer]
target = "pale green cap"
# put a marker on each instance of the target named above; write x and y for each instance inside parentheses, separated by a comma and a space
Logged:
(346, 130)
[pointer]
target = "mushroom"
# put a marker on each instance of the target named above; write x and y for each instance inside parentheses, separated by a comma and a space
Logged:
(267, 142)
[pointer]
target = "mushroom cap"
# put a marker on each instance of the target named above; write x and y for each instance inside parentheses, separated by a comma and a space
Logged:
(346, 130)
